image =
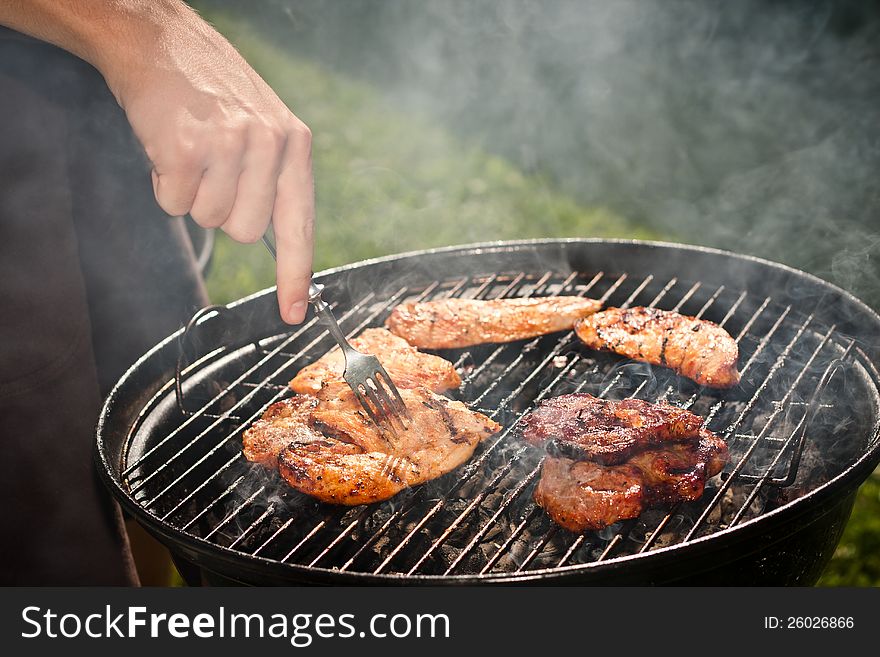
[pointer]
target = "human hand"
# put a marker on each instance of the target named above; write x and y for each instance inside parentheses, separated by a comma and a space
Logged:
(224, 148)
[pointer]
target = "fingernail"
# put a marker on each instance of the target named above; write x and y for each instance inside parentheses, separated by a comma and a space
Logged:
(298, 312)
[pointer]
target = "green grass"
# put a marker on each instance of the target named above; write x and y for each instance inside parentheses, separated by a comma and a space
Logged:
(857, 559)
(389, 182)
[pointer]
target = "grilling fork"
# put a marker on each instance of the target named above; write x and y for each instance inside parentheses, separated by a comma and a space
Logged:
(363, 373)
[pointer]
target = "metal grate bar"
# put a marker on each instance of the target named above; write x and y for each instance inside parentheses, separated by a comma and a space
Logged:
(527, 520)
(658, 530)
(267, 512)
(213, 502)
(635, 293)
(484, 529)
(745, 457)
(748, 325)
(766, 340)
(611, 545)
(546, 538)
(196, 490)
(687, 295)
(662, 293)
(339, 538)
(478, 499)
(571, 550)
(800, 429)
(271, 538)
(710, 301)
(234, 512)
(305, 539)
(733, 308)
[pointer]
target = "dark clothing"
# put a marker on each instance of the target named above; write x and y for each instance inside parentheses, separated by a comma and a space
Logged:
(92, 274)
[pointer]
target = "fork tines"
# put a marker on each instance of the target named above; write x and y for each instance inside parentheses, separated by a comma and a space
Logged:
(380, 398)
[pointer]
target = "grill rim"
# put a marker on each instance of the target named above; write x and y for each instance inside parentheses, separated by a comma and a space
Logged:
(814, 504)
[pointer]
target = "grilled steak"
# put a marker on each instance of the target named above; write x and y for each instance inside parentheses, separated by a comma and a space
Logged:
(453, 323)
(583, 495)
(610, 460)
(408, 367)
(695, 348)
(335, 454)
(585, 427)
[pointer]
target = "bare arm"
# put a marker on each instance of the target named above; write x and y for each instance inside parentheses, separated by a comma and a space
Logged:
(224, 148)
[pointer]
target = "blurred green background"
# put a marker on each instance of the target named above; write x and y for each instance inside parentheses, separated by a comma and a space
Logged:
(392, 176)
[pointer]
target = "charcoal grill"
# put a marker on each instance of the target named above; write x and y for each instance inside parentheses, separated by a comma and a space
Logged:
(803, 428)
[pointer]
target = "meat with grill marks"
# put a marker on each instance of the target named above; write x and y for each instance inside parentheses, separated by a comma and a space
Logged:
(585, 427)
(610, 460)
(695, 348)
(338, 456)
(584, 495)
(408, 367)
(454, 323)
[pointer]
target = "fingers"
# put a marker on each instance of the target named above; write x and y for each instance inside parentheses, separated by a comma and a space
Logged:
(293, 222)
(176, 191)
(217, 192)
(255, 198)
(240, 180)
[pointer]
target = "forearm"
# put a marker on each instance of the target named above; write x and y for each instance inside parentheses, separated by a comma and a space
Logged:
(102, 32)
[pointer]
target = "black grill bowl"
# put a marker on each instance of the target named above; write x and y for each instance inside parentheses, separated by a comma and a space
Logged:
(803, 427)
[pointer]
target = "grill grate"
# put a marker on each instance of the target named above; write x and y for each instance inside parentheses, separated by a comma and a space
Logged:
(183, 459)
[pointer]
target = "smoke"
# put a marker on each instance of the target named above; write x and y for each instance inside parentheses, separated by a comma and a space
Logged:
(752, 126)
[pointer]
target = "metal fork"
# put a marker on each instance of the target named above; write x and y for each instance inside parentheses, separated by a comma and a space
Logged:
(363, 373)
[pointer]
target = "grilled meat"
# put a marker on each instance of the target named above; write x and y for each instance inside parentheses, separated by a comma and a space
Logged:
(335, 453)
(408, 367)
(453, 323)
(679, 472)
(695, 348)
(610, 460)
(282, 423)
(585, 427)
(583, 495)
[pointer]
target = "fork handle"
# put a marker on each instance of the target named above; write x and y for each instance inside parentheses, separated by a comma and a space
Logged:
(326, 317)
(322, 308)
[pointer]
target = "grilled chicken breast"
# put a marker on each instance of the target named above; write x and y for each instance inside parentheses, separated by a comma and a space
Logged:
(695, 348)
(335, 453)
(453, 323)
(281, 424)
(583, 495)
(408, 367)
(585, 427)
